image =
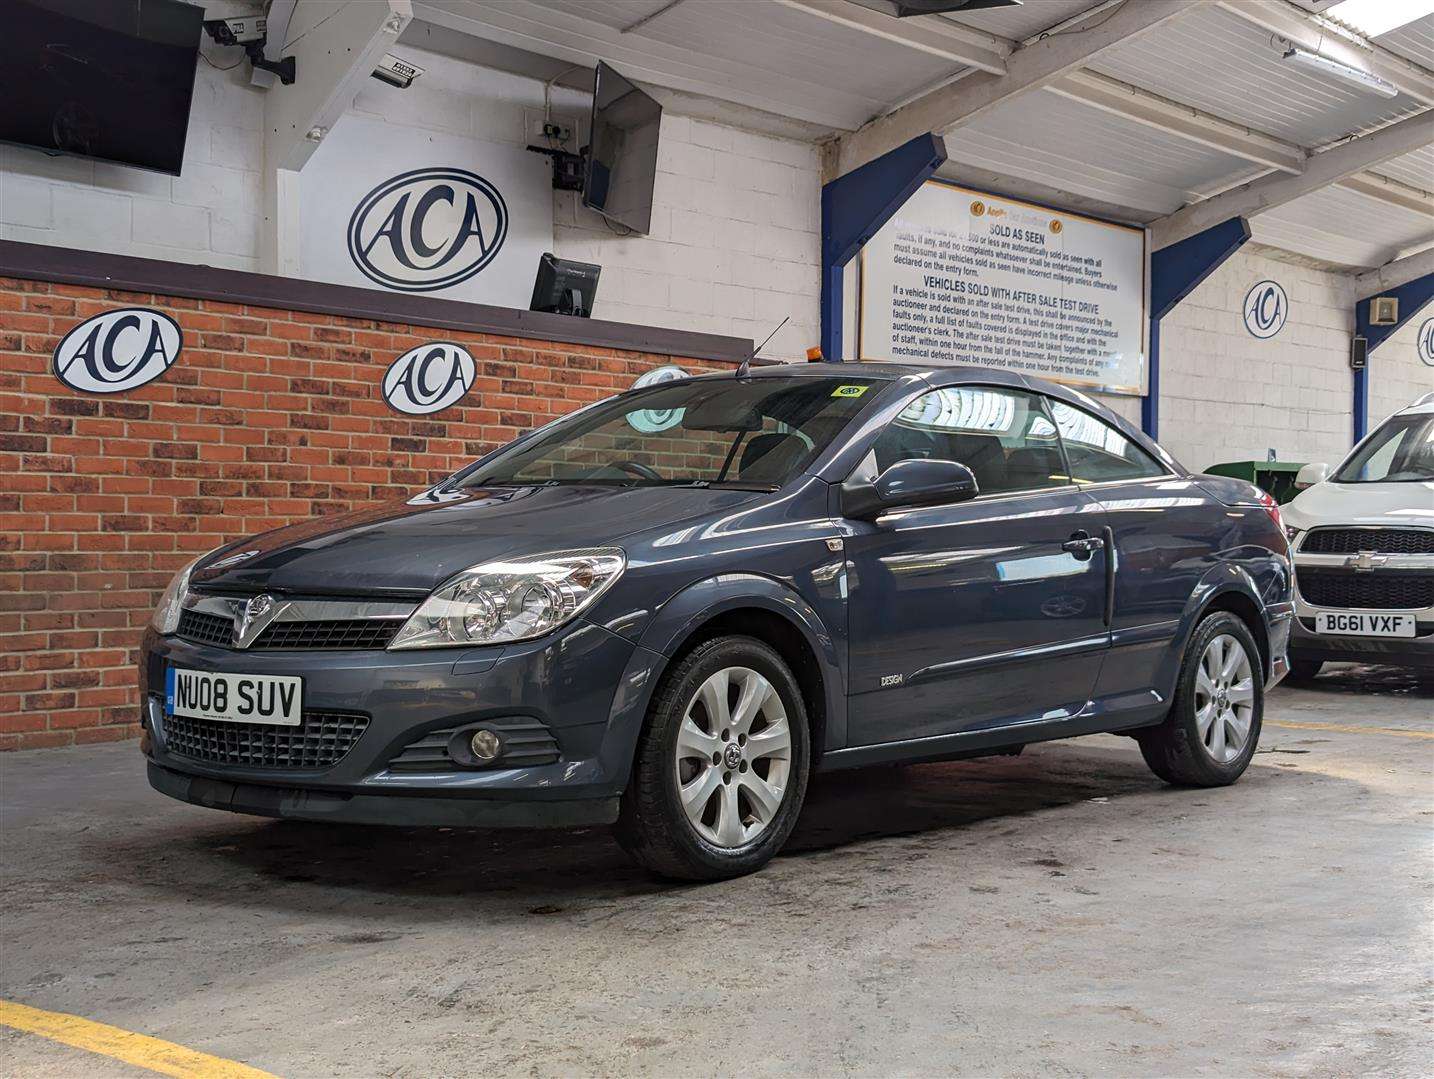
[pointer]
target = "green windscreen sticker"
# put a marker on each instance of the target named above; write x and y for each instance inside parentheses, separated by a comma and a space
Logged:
(849, 391)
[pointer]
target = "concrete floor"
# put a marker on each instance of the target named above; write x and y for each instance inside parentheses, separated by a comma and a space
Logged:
(1058, 913)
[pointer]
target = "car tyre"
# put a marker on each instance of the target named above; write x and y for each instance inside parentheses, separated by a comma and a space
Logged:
(731, 832)
(1304, 670)
(1195, 746)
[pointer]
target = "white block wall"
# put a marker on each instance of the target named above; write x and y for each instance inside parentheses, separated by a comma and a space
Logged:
(1229, 396)
(1397, 377)
(735, 244)
(209, 214)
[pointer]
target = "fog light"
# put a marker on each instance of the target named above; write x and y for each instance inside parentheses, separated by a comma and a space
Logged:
(485, 745)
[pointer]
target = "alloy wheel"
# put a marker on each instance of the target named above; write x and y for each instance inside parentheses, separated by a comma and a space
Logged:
(733, 757)
(1224, 698)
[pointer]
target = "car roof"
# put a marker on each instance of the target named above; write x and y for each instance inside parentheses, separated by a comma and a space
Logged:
(1422, 406)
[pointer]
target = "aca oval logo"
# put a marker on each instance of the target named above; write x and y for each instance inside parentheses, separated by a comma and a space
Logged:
(1425, 341)
(1266, 308)
(428, 378)
(427, 229)
(118, 350)
(652, 420)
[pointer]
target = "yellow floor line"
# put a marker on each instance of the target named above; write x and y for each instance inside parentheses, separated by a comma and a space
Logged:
(1349, 729)
(163, 1057)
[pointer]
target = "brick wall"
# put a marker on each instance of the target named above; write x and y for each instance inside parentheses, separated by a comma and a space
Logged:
(268, 417)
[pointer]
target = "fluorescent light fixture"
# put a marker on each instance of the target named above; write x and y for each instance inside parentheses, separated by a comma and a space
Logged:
(1363, 79)
(1374, 17)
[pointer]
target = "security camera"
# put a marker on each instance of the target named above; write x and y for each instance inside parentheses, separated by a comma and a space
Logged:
(396, 72)
(238, 31)
(250, 33)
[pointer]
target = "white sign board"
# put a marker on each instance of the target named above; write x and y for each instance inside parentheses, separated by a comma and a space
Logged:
(419, 211)
(962, 277)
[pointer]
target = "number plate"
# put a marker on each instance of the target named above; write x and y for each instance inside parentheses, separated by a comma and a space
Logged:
(1364, 624)
(234, 698)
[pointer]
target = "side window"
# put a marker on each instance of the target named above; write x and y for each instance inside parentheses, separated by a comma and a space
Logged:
(1005, 437)
(1098, 453)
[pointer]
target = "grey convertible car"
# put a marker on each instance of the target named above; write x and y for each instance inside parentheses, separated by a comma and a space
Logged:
(668, 609)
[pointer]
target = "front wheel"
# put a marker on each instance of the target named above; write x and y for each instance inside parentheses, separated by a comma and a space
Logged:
(721, 767)
(1213, 727)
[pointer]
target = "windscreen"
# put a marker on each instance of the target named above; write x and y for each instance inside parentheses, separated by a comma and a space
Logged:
(1401, 451)
(751, 433)
(109, 79)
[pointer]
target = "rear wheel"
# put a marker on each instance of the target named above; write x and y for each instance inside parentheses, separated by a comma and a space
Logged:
(721, 768)
(1213, 727)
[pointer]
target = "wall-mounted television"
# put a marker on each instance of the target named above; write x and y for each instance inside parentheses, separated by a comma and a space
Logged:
(621, 167)
(108, 79)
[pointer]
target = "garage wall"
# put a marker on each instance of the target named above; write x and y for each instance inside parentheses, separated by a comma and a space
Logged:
(209, 215)
(734, 246)
(269, 416)
(1229, 396)
(1397, 377)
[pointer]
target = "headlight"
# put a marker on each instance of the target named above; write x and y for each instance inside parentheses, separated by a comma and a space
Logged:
(166, 615)
(512, 599)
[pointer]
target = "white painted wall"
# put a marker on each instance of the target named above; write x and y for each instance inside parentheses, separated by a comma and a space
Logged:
(209, 214)
(734, 245)
(1229, 396)
(1397, 376)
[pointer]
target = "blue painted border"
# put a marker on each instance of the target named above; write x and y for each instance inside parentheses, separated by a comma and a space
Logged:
(1413, 297)
(855, 206)
(1175, 272)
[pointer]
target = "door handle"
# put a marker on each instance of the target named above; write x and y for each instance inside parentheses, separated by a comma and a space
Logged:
(1082, 545)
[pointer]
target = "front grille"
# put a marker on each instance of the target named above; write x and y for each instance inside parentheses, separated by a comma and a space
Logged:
(321, 741)
(1366, 591)
(202, 628)
(331, 633)
(526, 742)
(1379, 540)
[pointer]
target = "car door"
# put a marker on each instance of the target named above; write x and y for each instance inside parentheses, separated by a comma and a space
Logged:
(1160, 524)
(985, 612)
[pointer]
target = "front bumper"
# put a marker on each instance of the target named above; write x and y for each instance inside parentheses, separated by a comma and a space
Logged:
(300, 803)
(1418, 652)
(585, 685)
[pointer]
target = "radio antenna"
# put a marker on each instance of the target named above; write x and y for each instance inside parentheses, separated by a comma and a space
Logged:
(746, 365)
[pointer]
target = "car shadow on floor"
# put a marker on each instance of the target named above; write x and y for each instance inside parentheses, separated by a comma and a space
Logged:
(1366, 678)
(244, 860)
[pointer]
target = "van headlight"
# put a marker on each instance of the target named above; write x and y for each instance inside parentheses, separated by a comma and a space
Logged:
(512, 599)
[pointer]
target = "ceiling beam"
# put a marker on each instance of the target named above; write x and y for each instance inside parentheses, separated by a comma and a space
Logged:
(1142, 107)
(924, 33)
(1029, 68)
(1393, 192)
(1393, 274)
(581, 41)
(336, 45)
(1306, 30)
(1321, 170)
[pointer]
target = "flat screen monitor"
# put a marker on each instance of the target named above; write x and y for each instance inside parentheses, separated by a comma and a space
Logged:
(108, 79)
(622, 156)
(565, 287)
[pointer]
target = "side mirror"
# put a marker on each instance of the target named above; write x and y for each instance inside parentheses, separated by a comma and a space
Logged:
(1311, 474)
(913, 482)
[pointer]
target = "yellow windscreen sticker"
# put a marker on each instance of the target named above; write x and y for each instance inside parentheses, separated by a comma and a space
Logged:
(849, 391)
